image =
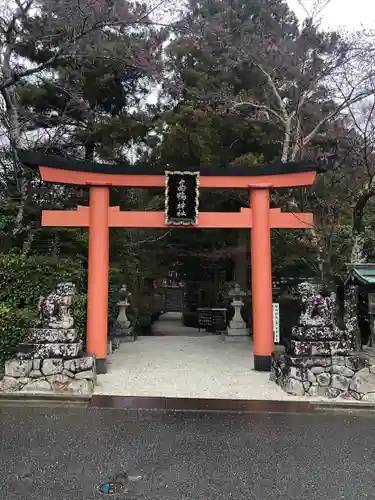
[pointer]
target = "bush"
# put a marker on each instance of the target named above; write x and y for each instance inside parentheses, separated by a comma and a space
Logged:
(190, 319)
(142, 323)
(14, 326)
(289, 315)
(290, 309)
(79, 312)
(24, 279)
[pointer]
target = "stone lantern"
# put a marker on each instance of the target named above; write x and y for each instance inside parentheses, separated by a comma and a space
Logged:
(122, 327)
(237, 327)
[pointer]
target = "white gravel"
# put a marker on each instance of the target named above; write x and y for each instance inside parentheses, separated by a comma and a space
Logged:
(187, 366)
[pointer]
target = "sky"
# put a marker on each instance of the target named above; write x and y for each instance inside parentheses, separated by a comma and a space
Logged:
(350, 15)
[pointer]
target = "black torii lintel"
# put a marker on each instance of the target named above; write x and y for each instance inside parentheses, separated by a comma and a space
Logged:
(35, 160)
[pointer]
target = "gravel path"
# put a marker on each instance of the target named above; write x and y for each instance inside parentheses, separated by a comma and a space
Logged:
(185, 366)
(171, 324)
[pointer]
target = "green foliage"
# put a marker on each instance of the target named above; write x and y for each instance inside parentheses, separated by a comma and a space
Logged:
(79, 312)
(290, 309)
(24, 279)
(14, 324)
(142, 323)
(190, 318)
(247, 160)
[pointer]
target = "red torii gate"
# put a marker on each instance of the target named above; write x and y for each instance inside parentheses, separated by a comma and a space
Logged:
(100, 216)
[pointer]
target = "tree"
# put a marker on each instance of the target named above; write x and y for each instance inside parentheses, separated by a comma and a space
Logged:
(249, 84)
(292, 72)
(50, 51)
(208, 75)
(351, 189)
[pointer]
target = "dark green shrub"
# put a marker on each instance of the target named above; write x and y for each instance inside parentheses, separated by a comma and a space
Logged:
(142, 323)
(190, 319)
(79, 312)
(24, 279)
(14, 326)
(132, 314)
(290, 309)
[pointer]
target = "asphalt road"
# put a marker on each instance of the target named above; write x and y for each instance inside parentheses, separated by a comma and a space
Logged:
(67, 453)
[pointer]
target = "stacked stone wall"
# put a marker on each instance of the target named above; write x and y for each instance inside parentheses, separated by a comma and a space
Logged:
(350, 377)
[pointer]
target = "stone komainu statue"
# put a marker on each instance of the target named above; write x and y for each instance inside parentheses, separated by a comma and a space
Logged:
(318, 307)
(54, 310)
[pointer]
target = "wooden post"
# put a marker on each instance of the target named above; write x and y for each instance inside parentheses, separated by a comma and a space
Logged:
(261, 276)
(98, 273)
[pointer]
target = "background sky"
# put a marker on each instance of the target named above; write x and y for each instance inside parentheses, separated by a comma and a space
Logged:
(348, 14)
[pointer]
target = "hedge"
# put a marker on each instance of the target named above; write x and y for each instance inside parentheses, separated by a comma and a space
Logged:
(24, 279)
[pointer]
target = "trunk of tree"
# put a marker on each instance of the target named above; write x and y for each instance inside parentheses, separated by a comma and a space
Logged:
(351, 316)
(357, 254)
(11, 102)
(286, 141)
(89, 151)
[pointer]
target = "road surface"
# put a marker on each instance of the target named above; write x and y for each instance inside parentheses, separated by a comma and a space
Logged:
(68, 453)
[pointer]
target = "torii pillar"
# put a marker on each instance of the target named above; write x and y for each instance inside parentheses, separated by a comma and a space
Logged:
(98, 272)
(261, 276)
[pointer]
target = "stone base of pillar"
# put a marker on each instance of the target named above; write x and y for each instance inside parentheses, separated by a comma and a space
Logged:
(130, 337)
(262, 363)
(101, 366)
(238, 332)
(236, 338)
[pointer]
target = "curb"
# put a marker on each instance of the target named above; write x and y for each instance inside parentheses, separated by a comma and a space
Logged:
(222, 405)
(182, 404)
(342, 405)
(38, 398)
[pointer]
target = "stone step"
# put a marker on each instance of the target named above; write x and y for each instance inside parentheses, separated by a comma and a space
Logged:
(316, 333)
(53, 335)
(56, 350)
(319, 348)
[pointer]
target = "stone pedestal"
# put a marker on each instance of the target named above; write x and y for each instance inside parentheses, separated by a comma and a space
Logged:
(51, 359)
(237, 329)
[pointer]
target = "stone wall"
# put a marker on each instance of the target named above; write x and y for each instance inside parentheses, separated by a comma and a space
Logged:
(70, 376)
(350, 377)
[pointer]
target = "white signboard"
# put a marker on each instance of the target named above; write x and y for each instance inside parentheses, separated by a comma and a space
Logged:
(276, 322)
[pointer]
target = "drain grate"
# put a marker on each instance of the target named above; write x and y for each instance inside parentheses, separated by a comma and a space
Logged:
(120, 484)
(113, 488)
